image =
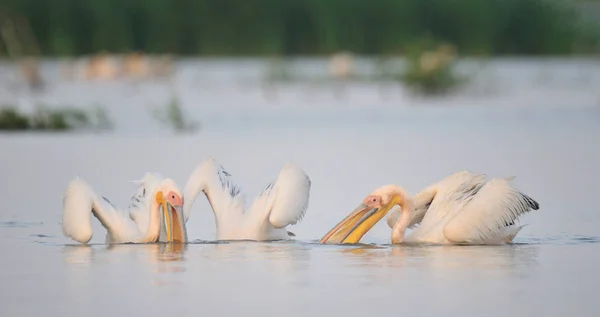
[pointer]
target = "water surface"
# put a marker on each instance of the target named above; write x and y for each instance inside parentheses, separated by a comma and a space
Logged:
(551, 270)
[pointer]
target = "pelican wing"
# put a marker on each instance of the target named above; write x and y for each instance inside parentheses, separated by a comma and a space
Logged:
(453, 188)
(485, 215)
(79, 203)
(284, 201)
(139, 206)
(212, 179)
(422, 202)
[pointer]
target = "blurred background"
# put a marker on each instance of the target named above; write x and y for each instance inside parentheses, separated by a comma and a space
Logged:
(359, 93)
(181, 65)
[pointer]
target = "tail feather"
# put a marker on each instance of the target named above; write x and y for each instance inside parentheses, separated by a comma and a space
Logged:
(511, 233)
(531, 202)
(77, 211)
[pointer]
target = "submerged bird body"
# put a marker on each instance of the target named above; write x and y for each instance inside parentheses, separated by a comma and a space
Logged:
(460, 209)
(282, 203)
(465, 209)
(153, 215)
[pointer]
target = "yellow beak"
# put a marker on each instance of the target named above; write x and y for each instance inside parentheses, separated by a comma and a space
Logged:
(357, 224)
(173, 227)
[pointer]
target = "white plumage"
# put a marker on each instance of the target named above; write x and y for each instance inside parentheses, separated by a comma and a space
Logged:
(139, 223)
(463, 209)
(280, 204)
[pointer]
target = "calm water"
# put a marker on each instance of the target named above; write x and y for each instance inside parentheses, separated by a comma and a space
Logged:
(551, 270)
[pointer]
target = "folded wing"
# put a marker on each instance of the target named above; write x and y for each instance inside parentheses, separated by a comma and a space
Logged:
(485, 216)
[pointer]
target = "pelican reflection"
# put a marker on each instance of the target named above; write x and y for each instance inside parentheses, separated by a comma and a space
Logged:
(503, 258)
(87, 254)
(284, 260)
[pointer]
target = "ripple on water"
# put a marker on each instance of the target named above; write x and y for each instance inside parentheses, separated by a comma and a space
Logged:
(198, 241)
(41, 236)
(561, 239)
(19, 224)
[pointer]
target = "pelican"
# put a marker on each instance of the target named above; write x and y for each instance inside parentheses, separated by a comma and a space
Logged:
(282, 203)
(154, 214)
(460, 209)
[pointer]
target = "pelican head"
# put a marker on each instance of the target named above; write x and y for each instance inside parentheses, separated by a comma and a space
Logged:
(362, 219)
(170, 203)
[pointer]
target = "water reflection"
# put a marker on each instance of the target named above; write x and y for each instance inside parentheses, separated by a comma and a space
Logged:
(78, 253)
(252, 250)
(169, 252)
(444, 257)
(169, 258)
(86, 254)
(291, 263)
(285, 262)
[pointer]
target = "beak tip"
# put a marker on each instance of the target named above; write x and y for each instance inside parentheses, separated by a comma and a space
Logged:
(352, 228)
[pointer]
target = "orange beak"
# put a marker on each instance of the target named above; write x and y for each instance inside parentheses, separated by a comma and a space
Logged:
(357, 224)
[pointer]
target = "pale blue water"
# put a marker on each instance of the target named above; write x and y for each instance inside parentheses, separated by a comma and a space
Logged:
(550, 271)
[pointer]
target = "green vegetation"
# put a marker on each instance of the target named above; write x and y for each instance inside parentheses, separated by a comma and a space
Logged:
(60, 119)
(430, 68)
(292, 27)
(71, 118)
(172, 116)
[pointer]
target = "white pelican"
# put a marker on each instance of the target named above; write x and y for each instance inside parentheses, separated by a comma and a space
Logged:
(154, 215)
(460, 209)
(281, 203)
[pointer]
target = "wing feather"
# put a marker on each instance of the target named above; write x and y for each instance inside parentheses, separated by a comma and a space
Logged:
(285, 200)
(212, 179)
(79, 203)
(141, 199)
(484, 215)
(418, 214)
(457, 186)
